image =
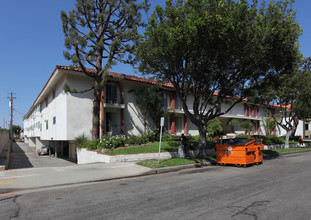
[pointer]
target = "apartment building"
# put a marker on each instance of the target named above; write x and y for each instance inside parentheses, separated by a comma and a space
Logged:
(56, 118)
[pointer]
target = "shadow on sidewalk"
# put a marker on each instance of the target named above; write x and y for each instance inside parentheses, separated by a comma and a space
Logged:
(19, 159)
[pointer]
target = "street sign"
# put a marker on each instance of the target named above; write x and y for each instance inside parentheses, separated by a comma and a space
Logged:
(161, 124)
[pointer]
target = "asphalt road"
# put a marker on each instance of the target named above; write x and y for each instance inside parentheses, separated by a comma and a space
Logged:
(278, 189)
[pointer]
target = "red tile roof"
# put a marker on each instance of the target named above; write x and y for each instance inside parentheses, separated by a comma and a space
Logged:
(121, 76)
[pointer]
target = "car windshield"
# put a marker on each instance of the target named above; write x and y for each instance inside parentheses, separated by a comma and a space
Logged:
(44, 147)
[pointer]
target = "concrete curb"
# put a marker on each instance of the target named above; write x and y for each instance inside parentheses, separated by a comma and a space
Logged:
(175, 168)
(272, 156)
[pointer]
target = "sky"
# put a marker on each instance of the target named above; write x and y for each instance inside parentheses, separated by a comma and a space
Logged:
(32, 44)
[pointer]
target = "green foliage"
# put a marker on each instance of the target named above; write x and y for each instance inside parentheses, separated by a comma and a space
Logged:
(171, 162)
(247, 126)
(16, 129)
(228, 47)
(148, 100)
(269, 125)
(108, 142)
(234, 122)
(154, 147)
(4, 130)
(243, 124)
(214, 127)
(272, 139)
(167, 137)
(143, 139)
(98, 34)
(269, 139)
(246, 136)
(81, 141)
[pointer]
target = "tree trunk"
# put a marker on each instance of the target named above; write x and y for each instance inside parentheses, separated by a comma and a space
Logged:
(296, 121)
(145, 124)
(96, 112)
(202, 141)
(288, 134)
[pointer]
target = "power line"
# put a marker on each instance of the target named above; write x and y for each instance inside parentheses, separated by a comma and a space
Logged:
(18, 112)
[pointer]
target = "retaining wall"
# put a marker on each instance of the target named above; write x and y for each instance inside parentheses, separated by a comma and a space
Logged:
(89, 156)
(4, 138)
(279, 146)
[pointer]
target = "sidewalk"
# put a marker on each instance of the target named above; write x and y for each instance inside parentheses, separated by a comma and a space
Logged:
(31, 178)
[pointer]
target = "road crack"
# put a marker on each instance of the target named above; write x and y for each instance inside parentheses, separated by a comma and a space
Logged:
(240, 210)
(17, 210)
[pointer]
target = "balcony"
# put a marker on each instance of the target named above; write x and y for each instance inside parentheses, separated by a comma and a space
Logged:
(113, 101)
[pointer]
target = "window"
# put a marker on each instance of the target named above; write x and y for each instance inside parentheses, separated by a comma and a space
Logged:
(46, 103)
(111, 94)
(255, 112)
(46, 124)
(112, 126)
(178, 104)
(54, 94)
(164, 101)
(178, 125)
(306, 127)
(54, 120)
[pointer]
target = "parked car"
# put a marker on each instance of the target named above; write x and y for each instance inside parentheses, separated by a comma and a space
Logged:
(45, 150)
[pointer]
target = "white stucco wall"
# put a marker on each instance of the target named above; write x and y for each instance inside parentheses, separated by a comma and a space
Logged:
(79, 108)
(133, 120)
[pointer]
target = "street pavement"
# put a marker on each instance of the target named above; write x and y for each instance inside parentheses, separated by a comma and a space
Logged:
(277, 189)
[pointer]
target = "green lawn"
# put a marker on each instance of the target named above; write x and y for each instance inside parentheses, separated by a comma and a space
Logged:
(154, 147)
(173, 162)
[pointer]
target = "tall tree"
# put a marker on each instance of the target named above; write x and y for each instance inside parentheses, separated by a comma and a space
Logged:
(213, 50)
(289, 98)
(16, 129)
(98, 34)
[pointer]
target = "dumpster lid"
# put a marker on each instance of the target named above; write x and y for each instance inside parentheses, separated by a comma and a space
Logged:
(237, 141)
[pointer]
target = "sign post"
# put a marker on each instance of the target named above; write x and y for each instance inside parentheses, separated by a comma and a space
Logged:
(161, 127)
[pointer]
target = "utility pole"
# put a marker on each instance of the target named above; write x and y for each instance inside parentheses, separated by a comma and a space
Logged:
(11, 98)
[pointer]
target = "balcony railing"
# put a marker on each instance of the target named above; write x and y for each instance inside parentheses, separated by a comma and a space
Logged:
(113, 130)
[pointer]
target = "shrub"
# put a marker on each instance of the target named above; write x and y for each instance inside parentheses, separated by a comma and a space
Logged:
(131, 140)
(93, 145)
(152, 137)
(108, 142)
(272, 139)
(81, 141)
(244, 136)
(167, 137)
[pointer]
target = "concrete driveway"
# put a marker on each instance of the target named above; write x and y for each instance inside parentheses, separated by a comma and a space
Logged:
(26, 157)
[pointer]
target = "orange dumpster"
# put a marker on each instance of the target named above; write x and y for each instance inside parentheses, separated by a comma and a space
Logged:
(237, 151)
(258, 153)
